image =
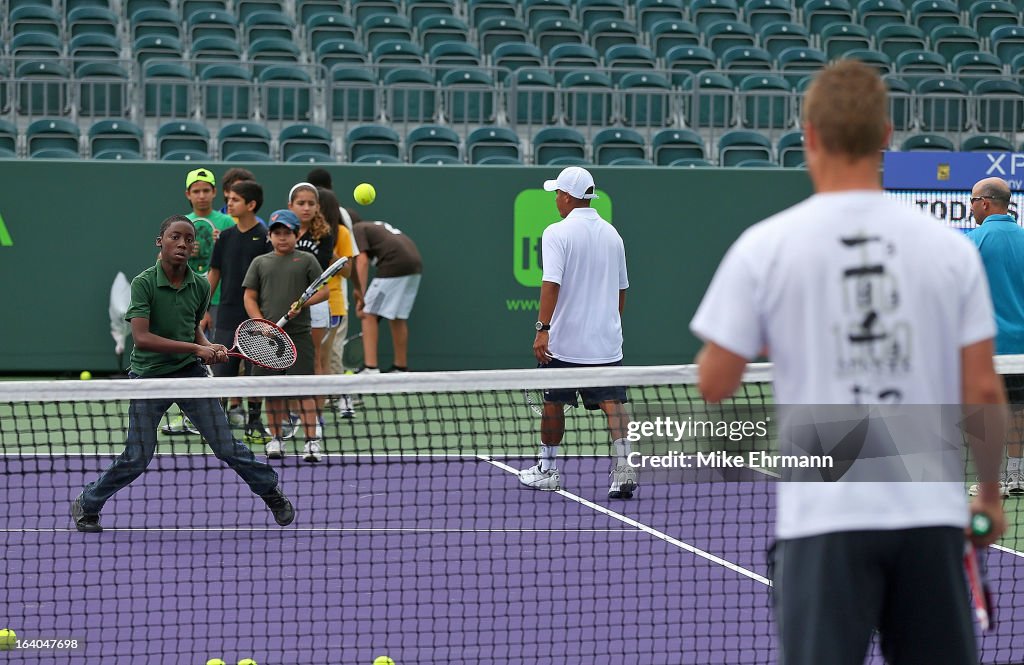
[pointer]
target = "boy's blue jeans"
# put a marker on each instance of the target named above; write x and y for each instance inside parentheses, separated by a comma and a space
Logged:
(206, 414)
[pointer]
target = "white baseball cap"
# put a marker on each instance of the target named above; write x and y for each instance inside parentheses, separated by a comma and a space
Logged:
(574, 181)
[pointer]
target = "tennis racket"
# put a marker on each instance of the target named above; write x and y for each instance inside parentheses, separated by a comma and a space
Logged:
(262, 343)
(202, 251)
(317, 284)
(535, 400)
(352, 352)
(981, 597)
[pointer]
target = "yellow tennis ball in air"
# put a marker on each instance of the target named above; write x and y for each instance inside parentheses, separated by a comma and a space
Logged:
(85, 375)
(364, 194)
(7, 639)
(247, 661)
(383, 660)
(215, 661)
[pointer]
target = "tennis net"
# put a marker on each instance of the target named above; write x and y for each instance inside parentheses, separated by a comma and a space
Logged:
(413, 536)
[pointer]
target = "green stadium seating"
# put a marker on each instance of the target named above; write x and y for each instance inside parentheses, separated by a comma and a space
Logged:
(839, 38)
(155, 21)
(589, 11)
(943, 104)
(492, 145)
(670, 33)
(760, 13)
(115, 139)
(952, 40)
(723, 35)
(530, 97)
(361, 10)
(438, 29)
(746, 58)
(797, 63)
(263, 24)
(756, 164)
(410, 94)
(325, 26)
(820, 13)
(535, 11)
(157, 47)
(607, 32)
(35, 19)
(92, 20)
(554, 143)
(873, 14)
(649, 12)
(790, 148)
(300, 142)
(689, 59)
(398, 52)
(482, 9)
(565, 58)
(337, 51)
(708, 12)
(52, 134)
(8, 139)
(587, 98)
(469, 96)
(500, 30)
(285, 93)
(182, 136)
(94, 46)
(671, 145)
(927, 143)
(431, 142)
(550, 32)
(895, 39)
(999, 105)
(930, 14)
(646, 99)
(380, 28)
(42, 88)
(777, 37)
(900, 103)
(167, 89)
(876, 59)
(985, 143)
(36, 45)
(1007, 42)
(974, 66)
(354, 95)
(185, 156)
(988, 15)
(448, 55)
(691, 162)
(515, 56)
(418, 10)
(629, 56)
(438, 160)
(915, 64)
(248, 137)
(740, 145)
(615, 143)
(712, 101)
(102, 89)
(212, 23)
(767, 103)
(376, 158)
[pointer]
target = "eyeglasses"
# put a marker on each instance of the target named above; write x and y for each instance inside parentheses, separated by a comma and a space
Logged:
(975, 199)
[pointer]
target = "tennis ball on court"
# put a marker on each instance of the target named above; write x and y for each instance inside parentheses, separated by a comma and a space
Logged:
(215, 661)
(247, 661)
(7, 639)
(383, 660)
(364, 194)
(85, 375)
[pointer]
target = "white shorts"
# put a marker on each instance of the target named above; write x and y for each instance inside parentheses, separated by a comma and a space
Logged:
(392, 297)
(320, 315)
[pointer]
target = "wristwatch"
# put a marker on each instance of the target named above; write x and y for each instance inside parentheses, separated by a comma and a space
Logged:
(542, 326)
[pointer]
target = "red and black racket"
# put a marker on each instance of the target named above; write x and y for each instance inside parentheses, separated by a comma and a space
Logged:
(263, 343)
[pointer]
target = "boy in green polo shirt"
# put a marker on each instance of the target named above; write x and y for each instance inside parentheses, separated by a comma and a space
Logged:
(168, 302)
(201, 190)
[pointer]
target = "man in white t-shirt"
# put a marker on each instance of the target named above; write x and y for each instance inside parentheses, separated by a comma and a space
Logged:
(860, 300)
(579, 324)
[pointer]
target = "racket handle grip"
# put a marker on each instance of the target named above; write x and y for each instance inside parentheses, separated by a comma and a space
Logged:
(283, 320)
(981, 524)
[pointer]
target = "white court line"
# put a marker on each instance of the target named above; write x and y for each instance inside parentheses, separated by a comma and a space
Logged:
(646, 529)
(327, 529)
(1007, 550)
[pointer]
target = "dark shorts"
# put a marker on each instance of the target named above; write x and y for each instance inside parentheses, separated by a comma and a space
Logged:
(303, 359)
(832, 591)
(592, 397)
(1015, 390)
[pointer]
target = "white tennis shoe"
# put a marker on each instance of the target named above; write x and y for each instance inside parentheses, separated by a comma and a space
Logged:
(311, 451)
(624, 482)
(534, 478)
(1004, 487)
(275, 448)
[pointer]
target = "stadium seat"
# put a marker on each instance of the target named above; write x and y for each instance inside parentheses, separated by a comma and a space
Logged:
(515, 56)
(670, 145)
(986, 143)
(93, 46)
(553, 143)
(133, 7)
(186, 156)
(432, 142)
(310, 158)
(35, 19)
(1007, 42)
(689, 59)
(820, 13)
(36, 45)
(777, 37)
(325, 26)
(756, 164)
(92, 20)
(991, 14)
(212, 23)
(44, 138)
(645, 99)
(486, 144)
(167, 89)
(469, 96)
(708, 12)
(930, 14)
(189, 7)
(397, 52)
(876, 59)
(791, 149)
(380, 28)
(530, 97)
(215, 50)
(8, 140)
(551, 32)
(746, 58)
(226, 91)
(417, 10)
(480, 10)
(649, 12)
(247, 8)
(42, 88)
(900, 103)
(151, 47)
(761, 13)
(874, 14)
(497, 31)
(264, 24)
(155, 22)
(434, 30)
(670, 33)
(566, 58)
(270, 51)
(591, 11)
(606, 33)
(797, 63)
(568, 161)
(346, 52)
(354, 95)
(723, 35)
(1017, 65)
(102, 89)
(184, 137)
(973, 66)
(839, 38)
(249, 137)
(362, 10)
(767, 101)
(999, 105)
(372, 140)
(115, 139)
(446, 56)
(631, 161)
(306, 9)
(952, 40)
(72, 5)
(500, 160)
(893, 40)
(411, 95)
(691, 162)
(246, 156)
(740, 145)
(285, 93)
(615, 143)
(536, 11)
(914, 66)
(376, 158)
(927, 143)
(587, 98)
(711, 101)
(628, 57)
(299, 142)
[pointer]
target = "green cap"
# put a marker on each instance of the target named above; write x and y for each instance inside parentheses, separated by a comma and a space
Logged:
(204, 175)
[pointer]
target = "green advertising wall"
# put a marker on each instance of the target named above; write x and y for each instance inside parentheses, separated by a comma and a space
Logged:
(68, 228)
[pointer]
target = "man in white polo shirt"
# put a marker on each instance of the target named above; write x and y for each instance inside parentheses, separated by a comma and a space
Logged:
(579, 325)
(862, 301)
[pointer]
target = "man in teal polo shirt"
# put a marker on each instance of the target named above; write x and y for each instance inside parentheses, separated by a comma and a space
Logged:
(168, 302)
(1000, 239)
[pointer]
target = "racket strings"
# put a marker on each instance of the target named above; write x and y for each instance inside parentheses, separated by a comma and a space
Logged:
(266, 344)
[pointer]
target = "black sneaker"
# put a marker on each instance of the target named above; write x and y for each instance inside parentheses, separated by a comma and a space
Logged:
(256, 433)
(84, 522)
(279, 504)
